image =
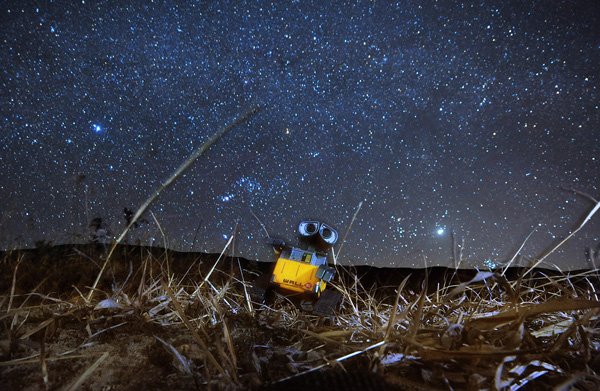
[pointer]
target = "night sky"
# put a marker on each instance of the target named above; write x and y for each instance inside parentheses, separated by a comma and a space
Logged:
(451, 121)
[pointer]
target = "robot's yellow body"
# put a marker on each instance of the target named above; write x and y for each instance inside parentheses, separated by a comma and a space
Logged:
(301, 271)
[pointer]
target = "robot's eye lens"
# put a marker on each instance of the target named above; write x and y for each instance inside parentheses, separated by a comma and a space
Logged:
(328, 234)
(308, 228)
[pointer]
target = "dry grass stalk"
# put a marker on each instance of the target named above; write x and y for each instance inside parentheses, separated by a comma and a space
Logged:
(182, 360)
(13, 285)
(209, 356)
(217, 261)
(584, 222)
(339, 251)
(79, 382)
(191, 159)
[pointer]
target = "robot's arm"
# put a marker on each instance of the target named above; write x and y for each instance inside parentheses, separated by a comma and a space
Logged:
(278, 244)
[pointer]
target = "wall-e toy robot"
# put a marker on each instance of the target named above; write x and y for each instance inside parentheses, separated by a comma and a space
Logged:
(304, 272)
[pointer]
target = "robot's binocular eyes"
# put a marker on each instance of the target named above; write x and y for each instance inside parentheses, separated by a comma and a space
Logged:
(308, 228)
(328, 234)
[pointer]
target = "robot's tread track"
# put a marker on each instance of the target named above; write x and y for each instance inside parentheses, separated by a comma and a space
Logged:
(327, 303)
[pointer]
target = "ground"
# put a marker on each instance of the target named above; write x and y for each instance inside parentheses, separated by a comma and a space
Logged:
(164, 320)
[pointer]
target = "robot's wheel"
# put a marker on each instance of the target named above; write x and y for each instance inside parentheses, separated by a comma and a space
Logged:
(327, 303)
(307, 305)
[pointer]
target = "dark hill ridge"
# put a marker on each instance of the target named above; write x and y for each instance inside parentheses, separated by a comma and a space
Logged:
(63, 266)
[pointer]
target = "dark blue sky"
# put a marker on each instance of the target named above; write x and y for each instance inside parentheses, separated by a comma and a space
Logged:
(445, 118)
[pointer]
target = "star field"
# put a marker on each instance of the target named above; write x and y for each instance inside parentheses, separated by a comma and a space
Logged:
(457, 124)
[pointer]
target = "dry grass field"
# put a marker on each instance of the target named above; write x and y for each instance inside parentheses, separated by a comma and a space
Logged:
(163, 320)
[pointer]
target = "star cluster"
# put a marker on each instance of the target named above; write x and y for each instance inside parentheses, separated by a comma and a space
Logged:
(458, 125)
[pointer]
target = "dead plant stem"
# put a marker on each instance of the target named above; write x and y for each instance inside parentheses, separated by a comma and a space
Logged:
(587, 218)
(199, 152)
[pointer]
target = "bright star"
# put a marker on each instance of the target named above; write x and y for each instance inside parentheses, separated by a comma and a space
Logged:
(97, 128)
(440, 231)
(227, 197)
